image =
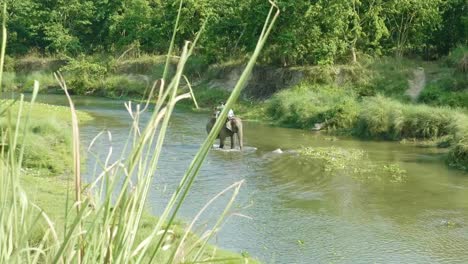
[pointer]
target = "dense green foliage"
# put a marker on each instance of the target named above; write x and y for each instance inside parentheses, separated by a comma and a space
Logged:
(308, 32)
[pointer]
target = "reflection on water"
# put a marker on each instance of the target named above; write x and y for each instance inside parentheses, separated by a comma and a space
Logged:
(300, 214)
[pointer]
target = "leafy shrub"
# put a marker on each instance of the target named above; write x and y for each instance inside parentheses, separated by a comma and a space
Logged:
(196, 66)
(458, 155)
(390, 76)
(82, 74)
(381, 117)
(146, 64)
(9, 81)
(118, 86)
(303, 106)
(456, 56)
(436, 95)
(9, 65)
(45, 79)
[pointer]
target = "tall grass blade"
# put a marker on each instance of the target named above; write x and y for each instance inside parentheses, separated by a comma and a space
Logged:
(3, 48)
(76, 152)
(236, 186)
(191, 92)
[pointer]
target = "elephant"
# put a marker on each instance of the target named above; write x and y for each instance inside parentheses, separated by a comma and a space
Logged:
(236, 126)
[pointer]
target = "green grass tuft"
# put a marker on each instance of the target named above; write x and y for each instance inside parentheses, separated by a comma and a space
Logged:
(305, 105)
(385, 118)
(48, 143)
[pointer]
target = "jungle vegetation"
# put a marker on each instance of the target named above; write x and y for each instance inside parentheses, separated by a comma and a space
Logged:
(308, 33)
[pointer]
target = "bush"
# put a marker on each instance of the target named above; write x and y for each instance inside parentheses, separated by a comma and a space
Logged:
(456, 56)
(436, 95)
(9, 65)
(448, 87)
(146, 64)
(458, 155)
(24, 82)
(381, 117)
(118, 86)
(46, 80)
(82, 74)
(207, 97)
(390, 76)
(9, 81)
(304, 105)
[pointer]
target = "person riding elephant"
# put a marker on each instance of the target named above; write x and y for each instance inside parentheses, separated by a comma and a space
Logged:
(233, 125)
(230, 115)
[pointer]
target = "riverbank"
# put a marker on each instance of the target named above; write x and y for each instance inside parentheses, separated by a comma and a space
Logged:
(440, 83)
(386, 98)
(338, 111)
(47, 146)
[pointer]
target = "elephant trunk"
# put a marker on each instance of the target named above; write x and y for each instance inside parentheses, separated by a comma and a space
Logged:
(240, 135)
(209, 125)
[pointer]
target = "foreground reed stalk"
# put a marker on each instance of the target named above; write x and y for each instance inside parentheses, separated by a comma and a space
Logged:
(105, 226)
(76, 153)
(3, 48)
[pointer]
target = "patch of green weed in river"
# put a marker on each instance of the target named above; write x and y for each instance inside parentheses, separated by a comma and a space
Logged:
(354, 162)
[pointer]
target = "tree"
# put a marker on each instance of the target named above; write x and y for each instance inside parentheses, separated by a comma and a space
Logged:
(366, 26)
(454, 29)
(411, 23)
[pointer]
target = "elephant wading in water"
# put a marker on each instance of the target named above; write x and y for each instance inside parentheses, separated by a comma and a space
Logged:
(236, 128)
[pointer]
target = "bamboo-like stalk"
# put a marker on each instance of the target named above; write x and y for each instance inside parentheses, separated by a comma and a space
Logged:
(76, 153)
(191, 92)
(236, 187)
(3, 48)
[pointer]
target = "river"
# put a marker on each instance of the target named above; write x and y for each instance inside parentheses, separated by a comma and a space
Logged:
(298, 213)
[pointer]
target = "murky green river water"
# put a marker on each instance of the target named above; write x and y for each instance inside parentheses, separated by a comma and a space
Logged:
(299, 213)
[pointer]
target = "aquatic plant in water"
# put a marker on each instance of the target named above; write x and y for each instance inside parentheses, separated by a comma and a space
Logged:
(355, 163)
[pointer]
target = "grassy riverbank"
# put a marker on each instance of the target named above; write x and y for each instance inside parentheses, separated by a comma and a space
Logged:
(48, 143)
